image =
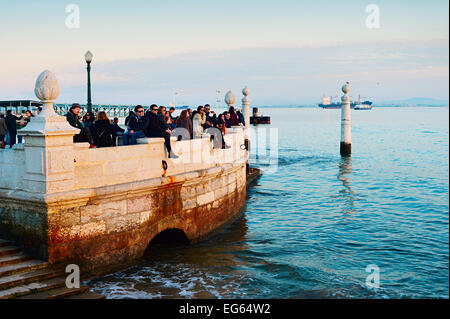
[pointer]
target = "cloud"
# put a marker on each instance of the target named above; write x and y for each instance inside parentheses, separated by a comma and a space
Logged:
(284, 75)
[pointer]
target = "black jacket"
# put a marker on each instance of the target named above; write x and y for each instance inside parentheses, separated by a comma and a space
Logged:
(156, 125)
(102, 132)
(11, 122)
(137, 123)
(74, 120)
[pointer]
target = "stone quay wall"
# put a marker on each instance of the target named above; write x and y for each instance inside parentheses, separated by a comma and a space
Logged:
(100, 208)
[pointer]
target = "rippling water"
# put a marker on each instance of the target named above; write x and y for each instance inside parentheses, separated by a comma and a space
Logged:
(314, 222)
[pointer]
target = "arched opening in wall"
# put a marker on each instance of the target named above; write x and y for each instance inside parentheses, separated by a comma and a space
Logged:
(168, 238)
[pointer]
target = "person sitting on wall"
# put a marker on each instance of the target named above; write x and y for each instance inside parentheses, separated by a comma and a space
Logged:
(127, 119)
(88, 119)
(118, 131)
(74, 120)
(158, 127)
(102, 131)
(137, 125)
(185, 122)
(198, 120)
(171, 111)
(211, 118)
(241, 118)
(234, 119)
(169, 121)
(227, 116)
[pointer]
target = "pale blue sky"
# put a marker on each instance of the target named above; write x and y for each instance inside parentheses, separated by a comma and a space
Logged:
(287, 52)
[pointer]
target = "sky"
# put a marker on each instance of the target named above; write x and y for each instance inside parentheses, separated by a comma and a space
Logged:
(286, 52)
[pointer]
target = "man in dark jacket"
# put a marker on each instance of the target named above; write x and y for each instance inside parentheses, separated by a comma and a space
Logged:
(158, 127)
(211, 118)
(118, 131)
(74, 120)
(137, 126)
(11, 124)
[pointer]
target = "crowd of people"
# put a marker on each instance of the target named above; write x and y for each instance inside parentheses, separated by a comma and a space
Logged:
(99, 131)
(10, 123)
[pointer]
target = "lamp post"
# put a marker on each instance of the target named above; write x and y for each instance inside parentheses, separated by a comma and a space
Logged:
(88, 57)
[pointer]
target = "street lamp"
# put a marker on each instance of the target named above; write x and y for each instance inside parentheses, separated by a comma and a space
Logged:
(88, 57)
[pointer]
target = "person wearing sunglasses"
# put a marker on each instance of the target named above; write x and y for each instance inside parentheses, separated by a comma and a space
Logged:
(158, 127)
(137, 126)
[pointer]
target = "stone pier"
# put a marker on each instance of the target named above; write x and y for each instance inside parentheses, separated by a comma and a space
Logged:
(100, 208)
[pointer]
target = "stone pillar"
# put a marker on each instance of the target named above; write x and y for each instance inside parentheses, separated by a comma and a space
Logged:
(246, 111)
(246, 107)
(49, 147)
(346, 133)
(230, 99)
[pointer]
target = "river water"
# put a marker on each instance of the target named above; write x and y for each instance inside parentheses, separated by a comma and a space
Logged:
(317, 225)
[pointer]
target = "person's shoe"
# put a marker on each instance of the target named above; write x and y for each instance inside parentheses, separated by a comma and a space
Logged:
(92, 146)
(2, 145)
(225, 146)
(173, 155)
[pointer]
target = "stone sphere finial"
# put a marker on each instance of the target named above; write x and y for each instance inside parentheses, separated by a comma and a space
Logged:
(246, 91)
(47, 88)
(230, 98)
(346, 88)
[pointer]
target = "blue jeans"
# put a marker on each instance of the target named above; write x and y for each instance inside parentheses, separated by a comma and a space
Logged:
(130, 139)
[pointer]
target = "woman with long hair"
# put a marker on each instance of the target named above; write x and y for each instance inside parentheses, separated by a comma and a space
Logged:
(102, 131)
(88, 119)
(185, 121)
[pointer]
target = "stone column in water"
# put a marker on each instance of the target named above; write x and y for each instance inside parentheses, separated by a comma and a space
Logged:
(246, 107)
(246, 111)
(346, 131)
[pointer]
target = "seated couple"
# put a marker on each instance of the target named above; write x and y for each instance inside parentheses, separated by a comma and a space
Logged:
(142, 125)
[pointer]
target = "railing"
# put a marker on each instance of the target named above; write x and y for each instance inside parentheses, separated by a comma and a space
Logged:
(111, 110)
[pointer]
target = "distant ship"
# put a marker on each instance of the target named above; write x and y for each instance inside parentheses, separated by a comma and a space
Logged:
(327, 103)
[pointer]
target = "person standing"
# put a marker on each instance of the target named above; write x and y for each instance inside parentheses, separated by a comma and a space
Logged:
(3, 131)
(11, 123)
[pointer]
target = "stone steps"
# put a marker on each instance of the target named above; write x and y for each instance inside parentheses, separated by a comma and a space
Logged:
(22, 267)
(13, 259)
(26, 278)
(57, 293)
(32, 288)
(8, 250)
(87, 295)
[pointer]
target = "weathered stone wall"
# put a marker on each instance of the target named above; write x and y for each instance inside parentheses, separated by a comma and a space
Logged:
(12, 163)
(104, 209)
(116, 225)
